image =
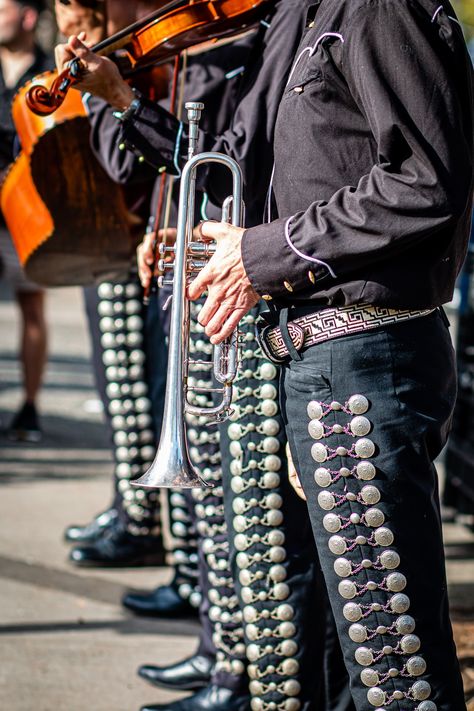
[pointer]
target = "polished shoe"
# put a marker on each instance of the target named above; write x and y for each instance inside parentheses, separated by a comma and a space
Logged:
(188, 675)
(165, 601)
(117, 548)
(93, 530)
(25, 425)
(211, 698)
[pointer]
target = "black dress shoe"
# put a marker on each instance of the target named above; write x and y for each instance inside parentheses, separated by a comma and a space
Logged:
(93, 530)
(212, 698)
(188, 675)
(117, 548)
(165, 601)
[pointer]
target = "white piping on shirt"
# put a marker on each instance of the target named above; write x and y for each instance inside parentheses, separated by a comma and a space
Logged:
(312, 50)
(306, 257)
(177, 147)
(440, 9)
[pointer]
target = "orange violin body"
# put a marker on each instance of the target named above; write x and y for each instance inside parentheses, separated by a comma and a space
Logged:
(53, 199)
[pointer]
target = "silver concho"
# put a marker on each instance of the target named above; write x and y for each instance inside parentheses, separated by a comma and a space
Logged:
(410, 644)
(277, 554)
(400, 603)
(352, 612)
(416, 666)
(322, 477)
(270, 427)
(315, 429)
(390, 559)
(370, 494)
(374, 518)
(358, 633)
(326, 500)
(342, 567)
(358, 404)
(347, 589)
(383, 537)
(319, 452)
(369, 677)
(396, 582)
(364, 656)
(376, 696)
(364, 448)
(360, 426)
(332, 523)
(427, 706)
(290, 667)
(421, 690)
(337, 545)
(405, 624)
(365, 470)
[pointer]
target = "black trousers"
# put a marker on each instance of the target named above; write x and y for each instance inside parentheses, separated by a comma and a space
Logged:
(366, 416)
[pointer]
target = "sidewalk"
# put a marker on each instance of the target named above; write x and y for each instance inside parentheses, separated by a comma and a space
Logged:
(66, 644)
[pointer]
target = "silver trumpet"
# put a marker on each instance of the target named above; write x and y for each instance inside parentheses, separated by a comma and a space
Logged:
(172, 466)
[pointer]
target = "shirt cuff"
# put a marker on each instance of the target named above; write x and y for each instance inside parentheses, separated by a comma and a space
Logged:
(273, 268)
(153, 133)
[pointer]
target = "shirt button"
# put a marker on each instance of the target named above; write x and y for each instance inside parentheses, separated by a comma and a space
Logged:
(287, 286)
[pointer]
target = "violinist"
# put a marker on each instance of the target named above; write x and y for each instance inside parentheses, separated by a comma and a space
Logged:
(21, 59)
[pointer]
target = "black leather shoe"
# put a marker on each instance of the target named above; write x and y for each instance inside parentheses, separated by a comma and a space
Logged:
(116, 548)
(93, 530)
(188, 675)
(165, 601)
(212, 698)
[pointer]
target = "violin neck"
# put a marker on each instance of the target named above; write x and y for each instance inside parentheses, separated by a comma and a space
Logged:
(121, 38)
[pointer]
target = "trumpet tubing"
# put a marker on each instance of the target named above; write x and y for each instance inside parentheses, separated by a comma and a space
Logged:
(172, 466)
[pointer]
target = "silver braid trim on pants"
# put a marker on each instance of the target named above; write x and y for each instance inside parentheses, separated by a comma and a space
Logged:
(204, 451)
(388, 652)
(258, 536)
(121, 325)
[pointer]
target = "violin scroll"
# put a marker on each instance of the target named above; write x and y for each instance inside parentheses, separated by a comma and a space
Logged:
(43, 101)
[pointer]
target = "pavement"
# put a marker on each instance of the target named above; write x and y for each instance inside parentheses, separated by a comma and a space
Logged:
(66, 644)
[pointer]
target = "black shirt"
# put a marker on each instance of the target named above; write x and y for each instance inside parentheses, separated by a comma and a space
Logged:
(41, 63)
(373, 152)
(373, 160)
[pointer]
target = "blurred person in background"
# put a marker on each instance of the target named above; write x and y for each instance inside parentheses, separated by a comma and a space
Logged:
(20, 60)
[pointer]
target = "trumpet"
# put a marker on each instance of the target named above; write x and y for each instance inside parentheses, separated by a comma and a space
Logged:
(172, 466)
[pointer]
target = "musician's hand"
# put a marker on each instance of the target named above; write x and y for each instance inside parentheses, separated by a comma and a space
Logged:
(146, 253)
(293, 475)
(230, 293)
(100, 75)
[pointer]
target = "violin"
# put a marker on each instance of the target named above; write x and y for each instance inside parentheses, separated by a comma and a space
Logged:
(170, 29)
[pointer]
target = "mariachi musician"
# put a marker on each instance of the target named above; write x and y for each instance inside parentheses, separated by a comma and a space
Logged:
(372, 189)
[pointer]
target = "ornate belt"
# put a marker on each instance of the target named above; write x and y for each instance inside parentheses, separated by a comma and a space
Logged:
(327, 324)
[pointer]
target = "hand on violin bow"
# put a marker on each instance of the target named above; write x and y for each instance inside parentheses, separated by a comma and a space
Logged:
(99, 75)
(230, 293)
(146, 253)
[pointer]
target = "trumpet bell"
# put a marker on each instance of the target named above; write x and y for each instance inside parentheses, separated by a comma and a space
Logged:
(171, 468)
